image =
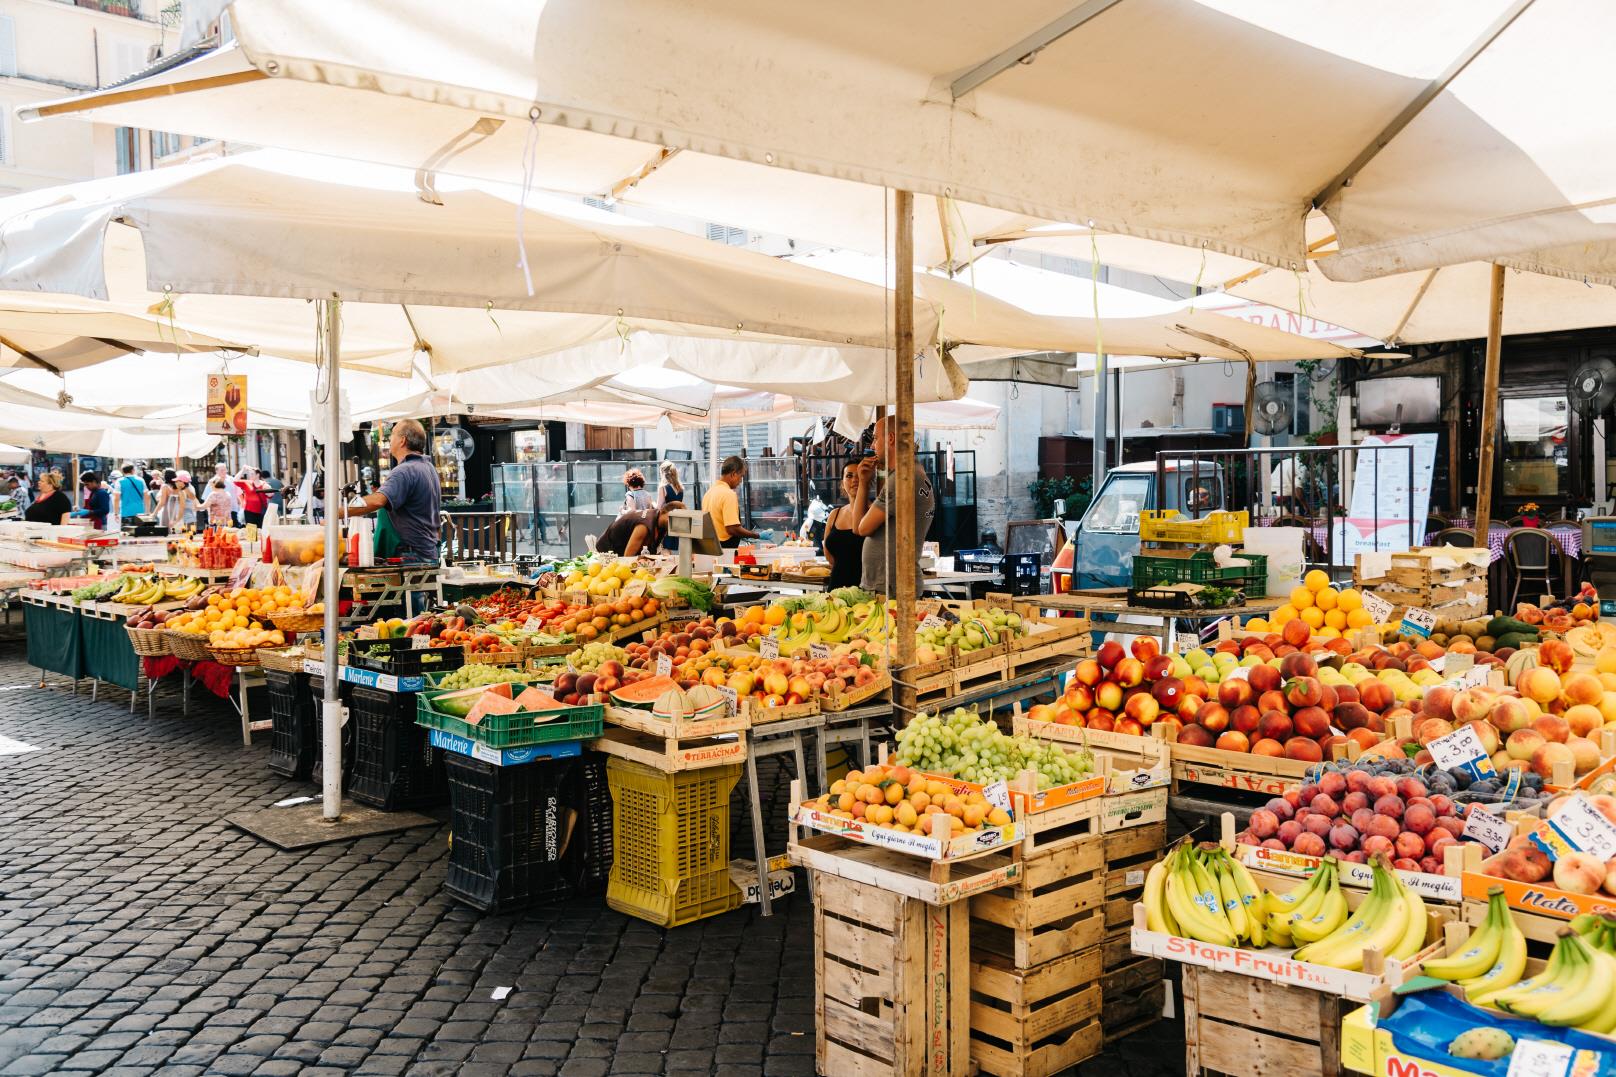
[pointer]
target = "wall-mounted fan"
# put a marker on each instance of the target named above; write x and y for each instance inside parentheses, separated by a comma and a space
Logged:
(1271, 409)
(1592, 387)
(456, 441)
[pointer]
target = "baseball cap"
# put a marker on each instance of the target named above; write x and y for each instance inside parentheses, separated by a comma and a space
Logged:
(182, 476)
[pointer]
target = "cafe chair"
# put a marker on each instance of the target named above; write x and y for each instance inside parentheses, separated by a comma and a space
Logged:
(1536, 555)
(1454, 536)
(479, 536)
(1435, 524)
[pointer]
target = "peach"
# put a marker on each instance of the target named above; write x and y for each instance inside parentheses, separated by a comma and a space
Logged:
(1245, 719)
(1233, 741)
(1375, 695)
(1235, 693)
(1584, 754)
(1142, 708)
(1089, 672)
(1110, 653)
(1275, 725)
(1557, 655)
(1582, 719)
(1428, 729)
(1129, 672)
(1539, 684)
(1311, 722)
(1350, 716)
(1472, 704)
(1196, 736)
(1264, 823)
(1487, 733)
(1582, 688)
(1308, 844)
(1377, 845)
(1523, 742)
(1267, 746)
(1108, 694)
(1607, 704)
(1304, 749)
(1168, 691)
(1364, 738)
(1264, 678)
(1410, 845)
(1610, 877)
(1552, 727)
(1213, 716)
(1606, 805)
(1510, 713)
(1579, 873)
(1550, 755)
(1439, 701)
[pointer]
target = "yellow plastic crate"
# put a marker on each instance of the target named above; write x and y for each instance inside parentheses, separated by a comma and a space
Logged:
(1213, 528)
(670, 842)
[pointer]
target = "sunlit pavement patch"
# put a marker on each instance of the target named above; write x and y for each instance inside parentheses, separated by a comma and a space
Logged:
(14, 747)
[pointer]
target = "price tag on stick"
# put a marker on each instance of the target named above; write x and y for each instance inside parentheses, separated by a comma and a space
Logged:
(1377, 608)
(819, 650)
(768, 647)
(1462, 748)
(731, 699)
(1487, 828)
(1417, 622)
(664, 665)
(931, 620)
(1579, 827)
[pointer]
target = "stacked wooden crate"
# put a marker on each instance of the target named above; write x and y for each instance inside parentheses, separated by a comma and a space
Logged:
(1450, 581)
(1132, 988)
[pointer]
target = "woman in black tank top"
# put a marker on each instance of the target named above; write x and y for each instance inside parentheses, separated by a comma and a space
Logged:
(843, 546)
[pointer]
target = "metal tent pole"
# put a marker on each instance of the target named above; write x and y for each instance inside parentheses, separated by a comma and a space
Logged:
(330, 706)
(907, 546)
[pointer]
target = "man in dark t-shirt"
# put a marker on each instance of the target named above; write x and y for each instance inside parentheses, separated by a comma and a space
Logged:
(410, 495)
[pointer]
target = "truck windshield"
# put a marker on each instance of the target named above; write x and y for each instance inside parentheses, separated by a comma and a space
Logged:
(1117, 508)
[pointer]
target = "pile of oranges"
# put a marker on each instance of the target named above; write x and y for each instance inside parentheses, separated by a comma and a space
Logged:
(1328, 612)
(238, 618)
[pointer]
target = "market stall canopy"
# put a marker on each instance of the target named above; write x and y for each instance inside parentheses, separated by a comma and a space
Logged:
(89, 434)
(1438, 304)
(59, 333)
(1410, 125)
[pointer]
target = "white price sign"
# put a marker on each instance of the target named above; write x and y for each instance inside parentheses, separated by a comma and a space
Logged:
(768, 647)
(1417, 621)
(1540, 1058)
(532, 624)
(1377, 608)
(664, 665)
(420, 643)
(931, 620)
(998, 794)
(243, 569)
(1487, 828)
(1579, 827)
(819, 650)
(730, 699)
(1458, 749)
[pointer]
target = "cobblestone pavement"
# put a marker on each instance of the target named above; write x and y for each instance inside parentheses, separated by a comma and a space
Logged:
(139, 934)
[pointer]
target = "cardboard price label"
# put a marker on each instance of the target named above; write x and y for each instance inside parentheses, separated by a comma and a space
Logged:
(732, 702)
(243, 570)
(931, 620)
(1417, 622)
(998, 794)
(819, 650)
(1462, 748)
(664, 665)
(1487, 828)
(1540, 1058)
(1579, 827)
(768, 647)
(1377, 607)
(420, 643)
(532, 624)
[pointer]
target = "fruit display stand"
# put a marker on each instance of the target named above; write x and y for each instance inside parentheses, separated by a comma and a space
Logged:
(1543, 910)
(1245, 1026)
(55, 640)
(1105, 606)
(673, 744)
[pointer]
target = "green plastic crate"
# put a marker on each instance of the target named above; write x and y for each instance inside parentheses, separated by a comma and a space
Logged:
(517, 730)
(433, 680)
(670, 842)
(1150, 570)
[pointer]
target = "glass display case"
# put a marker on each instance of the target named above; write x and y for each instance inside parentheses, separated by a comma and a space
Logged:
(537, 496)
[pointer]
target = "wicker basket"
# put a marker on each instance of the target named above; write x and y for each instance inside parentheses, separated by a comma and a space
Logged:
(298, 621)
(188, 646)
(235, 656)
(284, 659)
(148, 642)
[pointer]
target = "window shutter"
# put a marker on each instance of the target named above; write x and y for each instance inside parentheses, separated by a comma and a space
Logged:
(8, 46)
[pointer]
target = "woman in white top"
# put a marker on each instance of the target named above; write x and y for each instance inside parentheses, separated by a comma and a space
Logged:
(177, 504)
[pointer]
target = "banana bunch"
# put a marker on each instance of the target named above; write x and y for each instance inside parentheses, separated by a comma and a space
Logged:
(147, 590)
(1574, 988)
(1492, 959)
(1309, 913)
(1204, 894)
(1391, 920)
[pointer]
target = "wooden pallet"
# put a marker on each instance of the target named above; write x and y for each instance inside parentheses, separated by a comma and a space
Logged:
(1037, 1022)
(909, 876)
(1247, 1027)
(1432, 598)
(891, 978)
(1055, 909)
(1424, 567)
(1131, 997)
(672, 744)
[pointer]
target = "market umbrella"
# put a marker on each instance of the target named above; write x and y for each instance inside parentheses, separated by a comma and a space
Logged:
(59, 333)
(1408, 124)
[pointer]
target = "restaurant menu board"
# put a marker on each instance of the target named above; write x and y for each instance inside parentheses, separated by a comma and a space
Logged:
(1384, 501)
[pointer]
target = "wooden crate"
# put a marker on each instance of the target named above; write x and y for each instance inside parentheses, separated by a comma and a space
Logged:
(1424, 567)
(1248, 1027)
(1131, 995)
(891, 982)
(1128, 857)
(672, 744)
(1055, 909)
(1035, 1022)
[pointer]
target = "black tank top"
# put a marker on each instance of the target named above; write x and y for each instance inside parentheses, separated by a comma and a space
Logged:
(847, 547)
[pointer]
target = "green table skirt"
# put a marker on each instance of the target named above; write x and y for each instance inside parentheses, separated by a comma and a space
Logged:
(55, 642)
(108, 654)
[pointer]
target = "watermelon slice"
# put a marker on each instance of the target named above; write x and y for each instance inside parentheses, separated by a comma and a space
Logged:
(492, 702)
(457, 704)
(503, 688)
(541, 703)
(643, 693)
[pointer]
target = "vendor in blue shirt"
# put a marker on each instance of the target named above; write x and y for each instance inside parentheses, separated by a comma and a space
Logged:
(410, 495)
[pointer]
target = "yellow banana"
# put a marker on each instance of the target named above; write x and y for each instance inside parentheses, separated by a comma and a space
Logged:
(1251, 899)
(1543, 991)
(1234, 910)
(1586, 1002)
(1413, 938)
(1550, 970)
(1329, 915)
(1155, 898)
(1479, 952)
(1314, 900)
(1378, 923)
(1194, 919)
(1507, 967)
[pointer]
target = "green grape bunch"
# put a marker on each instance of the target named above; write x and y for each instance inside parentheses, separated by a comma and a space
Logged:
(969, 747)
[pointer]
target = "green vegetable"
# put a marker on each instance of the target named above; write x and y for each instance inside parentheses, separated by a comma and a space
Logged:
(852, 596)
(1503, 626)
(1514, 639)
(699, 595)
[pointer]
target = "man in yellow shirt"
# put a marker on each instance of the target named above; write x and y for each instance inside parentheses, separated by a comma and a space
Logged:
(724, 507)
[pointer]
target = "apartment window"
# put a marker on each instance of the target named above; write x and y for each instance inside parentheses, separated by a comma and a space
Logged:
(723, 233)
(164, 143)
(128, 149)
(6, 157)
(8, 46)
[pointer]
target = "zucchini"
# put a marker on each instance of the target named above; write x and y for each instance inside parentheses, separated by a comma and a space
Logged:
(1503, 626)
(1514, 639)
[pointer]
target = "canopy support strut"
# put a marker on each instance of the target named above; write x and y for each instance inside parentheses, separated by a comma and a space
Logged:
(330, 703)
(1489, 405)
(1024, 50)
(907, 546)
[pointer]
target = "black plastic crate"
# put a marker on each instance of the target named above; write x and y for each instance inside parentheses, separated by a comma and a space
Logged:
(595, 825)
(1023, 573)
(981, 559)
(292, 747)
(402, 658)
(394, 764)
(514, 832)
(316, 695)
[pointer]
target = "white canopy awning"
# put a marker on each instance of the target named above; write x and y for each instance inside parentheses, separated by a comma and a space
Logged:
(1468, 129)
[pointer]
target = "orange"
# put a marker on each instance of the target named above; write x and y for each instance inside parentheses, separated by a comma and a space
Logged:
(1301, 598)
(775, 615)
(1313, 616)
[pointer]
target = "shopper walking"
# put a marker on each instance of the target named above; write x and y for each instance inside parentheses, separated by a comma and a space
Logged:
(222, 473)
(636, 498)
(843, 546)
(872, 509)
(254, 494)
(132, 495)
(52, 506)
(217, 503)
(721, 503)
(176, 503)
